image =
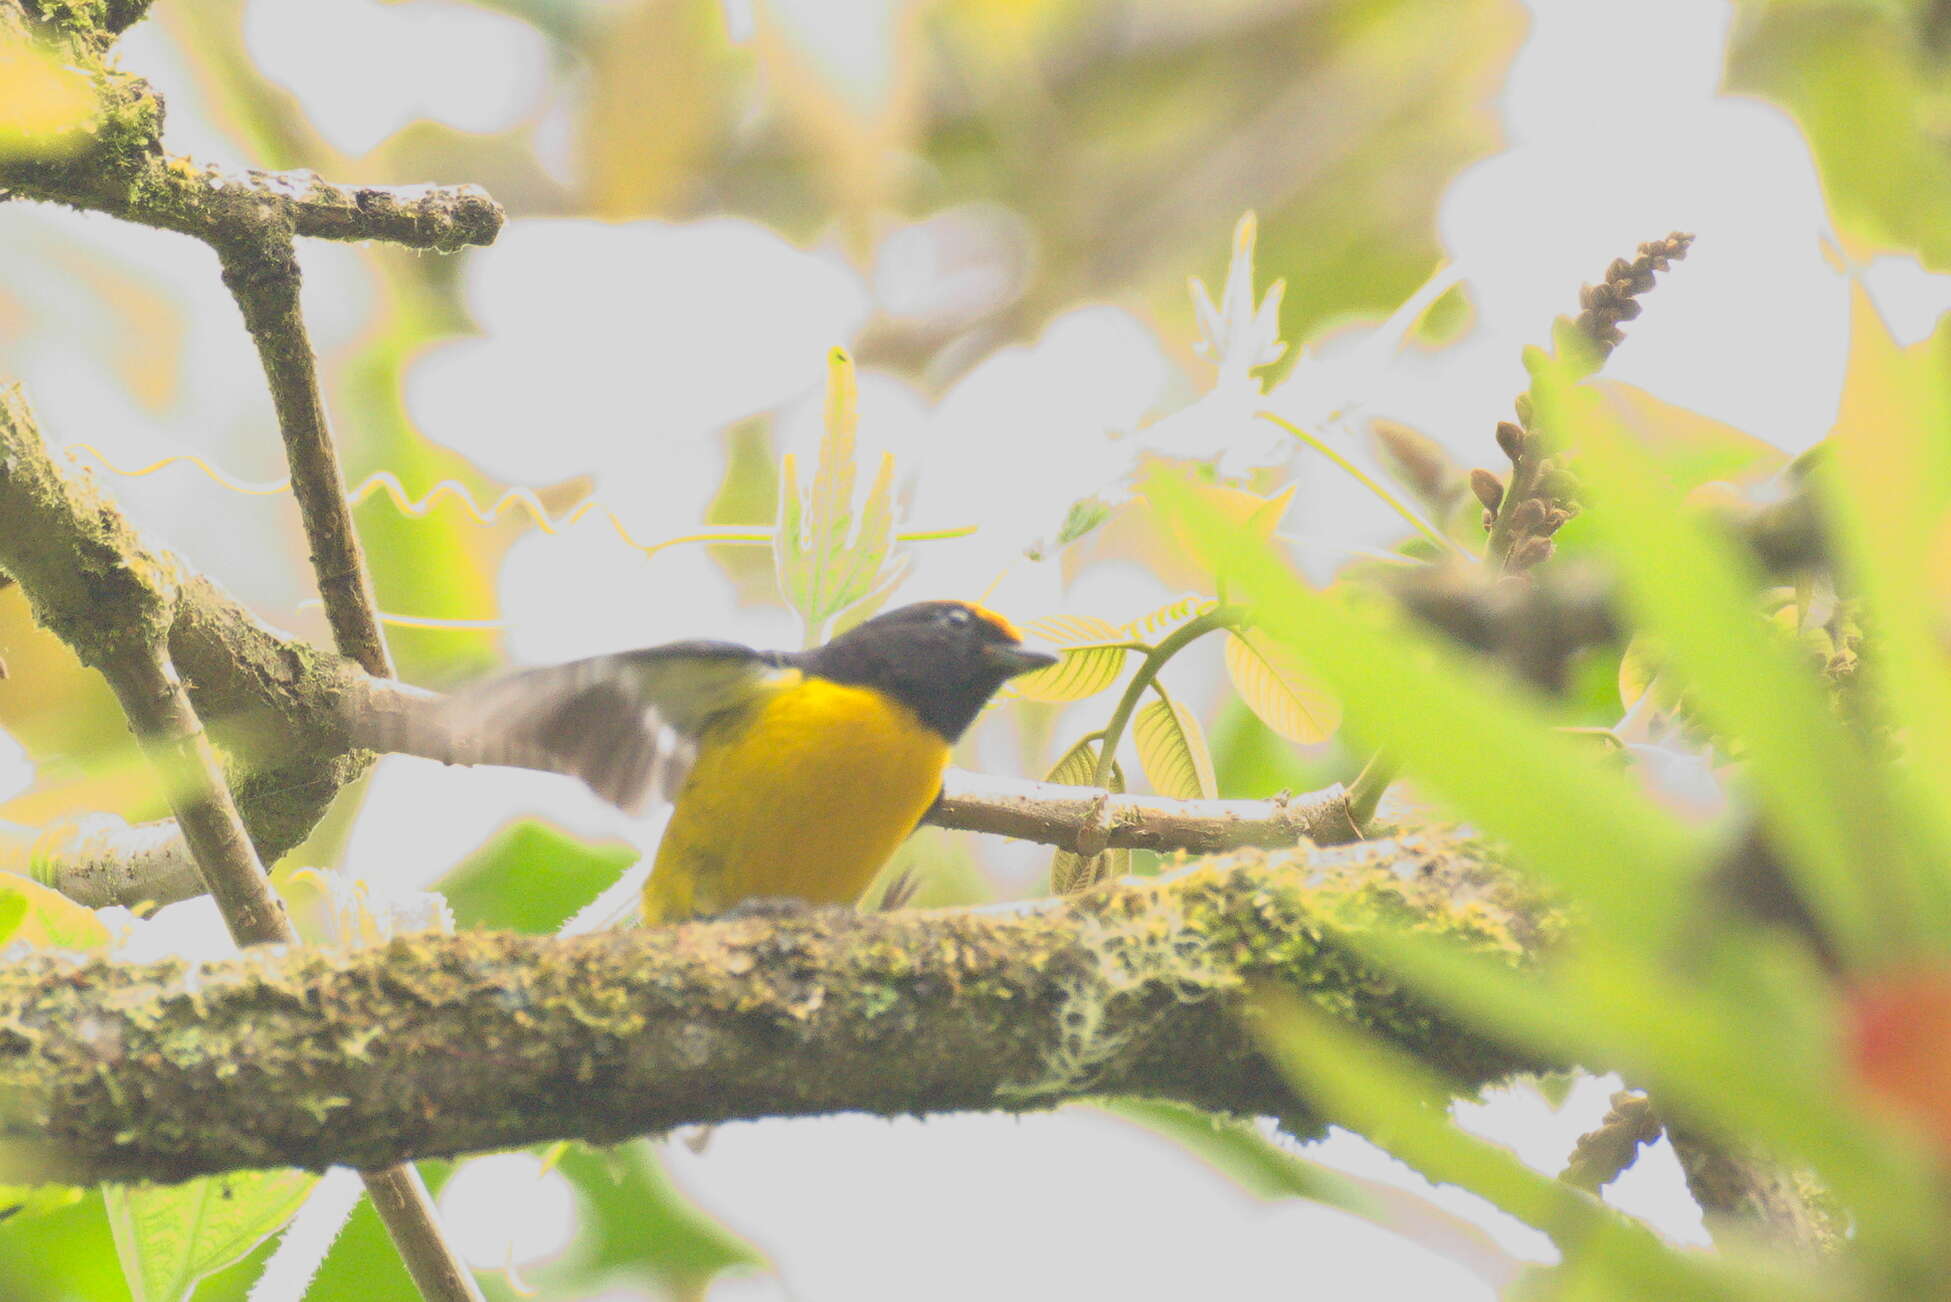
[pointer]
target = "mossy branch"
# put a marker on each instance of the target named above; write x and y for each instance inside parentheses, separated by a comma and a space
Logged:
(441, 1044)
(272, 703)
(99, 566)
(115, 164)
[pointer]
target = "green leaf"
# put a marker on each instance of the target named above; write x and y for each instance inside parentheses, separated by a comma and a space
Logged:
(531, 877)
(858, 568)
(36, 1199)
(1172, 750)
(789, 537)
(170, 1236)
(1093, 655)
(1695, 449)
(826, 561)
(1169, 616)
(1268, 1170)
(1084, 515)
(1887, 493)
(1274, 687)
(1688, 586)
(641, 1224)
(13, 911)
(1468, 734)
(53, 921)
(1855, 76)
(1639, 673)
(1751, 1053)
(1379, 1091)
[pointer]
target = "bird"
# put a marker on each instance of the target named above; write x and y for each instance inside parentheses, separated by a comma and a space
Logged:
(794, 775)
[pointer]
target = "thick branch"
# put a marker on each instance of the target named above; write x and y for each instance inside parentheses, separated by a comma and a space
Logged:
(438, 1044)
(1744, 1198)
(99, 859)
(271, 701)
(131, 596)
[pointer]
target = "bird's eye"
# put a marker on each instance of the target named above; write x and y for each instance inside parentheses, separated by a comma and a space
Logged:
(957, 617)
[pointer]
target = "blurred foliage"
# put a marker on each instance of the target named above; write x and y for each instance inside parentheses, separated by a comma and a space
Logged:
(1820, 1044)
(170, 1236)
(531, 877)
(1870, 84)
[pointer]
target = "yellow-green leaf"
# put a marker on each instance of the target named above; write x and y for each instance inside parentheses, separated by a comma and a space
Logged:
(1077, 766)
(1637, 671)
(1685, 583)
(53, 921)
(1093, 655)
(1274, 687)
(35, 1199)
(1067, 631)
(827, 559)
(43, 103)
(1169, 616)
(1567, 815)
(1379, 1091)
(170, 1236)
(1070, 871)
(1172, 749)
(13, 911)
(1886, 490)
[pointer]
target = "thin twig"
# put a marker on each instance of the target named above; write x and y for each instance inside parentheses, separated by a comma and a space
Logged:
(173, 738)
(219, 205)
(263, 277)
(1054, 815)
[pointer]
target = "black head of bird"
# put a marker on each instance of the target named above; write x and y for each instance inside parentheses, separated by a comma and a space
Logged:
(942, 659)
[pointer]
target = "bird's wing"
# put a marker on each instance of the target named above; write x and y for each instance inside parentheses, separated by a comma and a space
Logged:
(626, 724)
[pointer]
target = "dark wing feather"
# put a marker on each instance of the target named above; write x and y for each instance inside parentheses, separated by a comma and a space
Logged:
(625, 724)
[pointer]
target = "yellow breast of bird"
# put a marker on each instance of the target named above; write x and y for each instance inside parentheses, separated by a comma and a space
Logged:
(805, 794)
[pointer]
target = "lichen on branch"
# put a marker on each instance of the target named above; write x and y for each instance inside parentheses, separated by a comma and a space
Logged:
(115, 162)
(267, 699)
(441, 1044)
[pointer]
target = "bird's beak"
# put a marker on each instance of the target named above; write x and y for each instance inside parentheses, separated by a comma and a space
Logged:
(1014, 658)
